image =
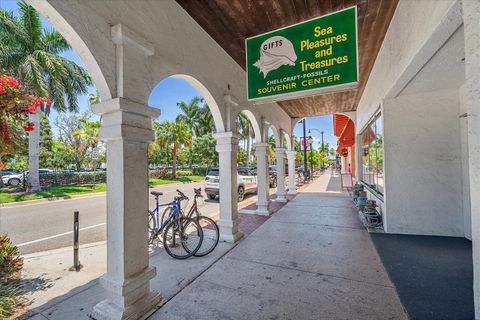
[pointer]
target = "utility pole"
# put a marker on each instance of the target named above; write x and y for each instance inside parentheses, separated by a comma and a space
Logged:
(323, 148)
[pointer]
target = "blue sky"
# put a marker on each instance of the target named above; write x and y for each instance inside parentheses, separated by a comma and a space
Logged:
(171, 90)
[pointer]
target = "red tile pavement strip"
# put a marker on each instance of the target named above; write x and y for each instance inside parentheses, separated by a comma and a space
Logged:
(250, 222)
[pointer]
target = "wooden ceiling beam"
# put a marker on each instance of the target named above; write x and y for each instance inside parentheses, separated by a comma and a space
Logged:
(229, 22)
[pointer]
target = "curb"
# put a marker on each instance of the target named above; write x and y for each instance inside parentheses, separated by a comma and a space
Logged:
(49, 200)
(72, 197)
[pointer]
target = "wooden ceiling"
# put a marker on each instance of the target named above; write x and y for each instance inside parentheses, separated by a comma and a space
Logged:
(229, 22)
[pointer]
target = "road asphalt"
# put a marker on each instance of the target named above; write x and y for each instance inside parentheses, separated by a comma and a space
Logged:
(48, 225)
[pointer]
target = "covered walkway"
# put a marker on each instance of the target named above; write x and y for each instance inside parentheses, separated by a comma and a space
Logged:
(311, 260)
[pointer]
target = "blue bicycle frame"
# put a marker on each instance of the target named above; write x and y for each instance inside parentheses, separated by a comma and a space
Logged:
(176, 210)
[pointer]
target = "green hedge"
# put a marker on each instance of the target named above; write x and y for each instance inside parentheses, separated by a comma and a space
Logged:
(200, 171)
(167, 174)
(71, 178)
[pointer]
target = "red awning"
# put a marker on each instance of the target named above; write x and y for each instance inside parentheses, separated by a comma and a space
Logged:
(368, 136)
(339, 123)
(344, 129)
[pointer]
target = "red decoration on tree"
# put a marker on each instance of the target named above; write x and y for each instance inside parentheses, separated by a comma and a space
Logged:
(29, 127)
(16, 103)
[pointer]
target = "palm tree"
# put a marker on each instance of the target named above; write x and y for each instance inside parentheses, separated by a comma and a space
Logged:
(206, 124)
(33, 53)
(245, 131)
(197, 117)
(172, 136)
(271, 148)
(190, 114)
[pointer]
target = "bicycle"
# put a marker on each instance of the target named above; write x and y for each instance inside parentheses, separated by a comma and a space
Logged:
(182, 236)
(211, 232)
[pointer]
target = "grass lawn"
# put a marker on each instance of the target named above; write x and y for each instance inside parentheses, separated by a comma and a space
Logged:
(156, 182)
(7, 195)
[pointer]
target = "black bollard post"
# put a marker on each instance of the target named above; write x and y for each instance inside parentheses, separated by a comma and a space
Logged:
(76, 229)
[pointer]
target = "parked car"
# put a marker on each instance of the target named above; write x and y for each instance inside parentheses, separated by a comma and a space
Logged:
(274, 168)
(246, 183)
(9, 172)
(12, 177)
(272, 176)
(44, 171)
(16, 179)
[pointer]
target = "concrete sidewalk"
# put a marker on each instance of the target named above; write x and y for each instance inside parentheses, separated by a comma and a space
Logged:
(58, 294)
(53, 292)
(311, 260)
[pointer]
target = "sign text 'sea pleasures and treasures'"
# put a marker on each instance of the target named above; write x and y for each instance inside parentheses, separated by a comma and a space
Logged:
(312, 57)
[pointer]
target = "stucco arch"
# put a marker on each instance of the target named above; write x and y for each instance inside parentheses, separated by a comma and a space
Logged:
(253, 120)
(78, 45)
(208, 97)
(295, 121)
(288, 139)
(276, 135)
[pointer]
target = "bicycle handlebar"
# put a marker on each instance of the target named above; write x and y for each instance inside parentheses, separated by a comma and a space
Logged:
(182, 195)
(198, 192)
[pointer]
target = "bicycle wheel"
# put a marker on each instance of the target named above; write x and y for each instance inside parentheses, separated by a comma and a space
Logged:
(182, 238)
(211, 235)
(152, 227)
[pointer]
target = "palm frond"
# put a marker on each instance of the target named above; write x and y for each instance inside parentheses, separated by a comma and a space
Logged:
(30, 19)
(53, 42)
(9, 57)
(33, 73)
(12, 30)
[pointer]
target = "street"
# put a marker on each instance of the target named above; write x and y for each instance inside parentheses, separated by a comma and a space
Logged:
(48, 225)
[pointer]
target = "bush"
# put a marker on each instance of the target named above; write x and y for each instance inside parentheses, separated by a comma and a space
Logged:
(10, 266)
(10, 261)
(184, 173)
(8, 299)
(158, 174)
(167, 174)
(200, 171)
(71, 178)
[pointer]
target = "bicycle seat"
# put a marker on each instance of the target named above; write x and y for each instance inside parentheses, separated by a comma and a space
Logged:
(156, 193)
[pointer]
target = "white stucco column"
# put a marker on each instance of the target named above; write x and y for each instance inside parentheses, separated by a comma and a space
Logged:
(471, 18)
(227, 146)
(292, 186)
(127, 131)
(281, 193)
(263, 202)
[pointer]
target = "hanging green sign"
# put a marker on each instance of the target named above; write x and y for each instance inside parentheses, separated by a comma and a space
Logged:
(309, 58)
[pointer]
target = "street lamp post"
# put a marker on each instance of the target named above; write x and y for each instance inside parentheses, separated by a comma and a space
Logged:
(310, 142)
(304, 142)
(321, 132)
(323, 148)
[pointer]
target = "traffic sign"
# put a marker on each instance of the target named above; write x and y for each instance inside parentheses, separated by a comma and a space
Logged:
(95, 154)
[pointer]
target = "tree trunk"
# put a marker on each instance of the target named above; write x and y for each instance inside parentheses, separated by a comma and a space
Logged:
(34, 154)
(174, 164)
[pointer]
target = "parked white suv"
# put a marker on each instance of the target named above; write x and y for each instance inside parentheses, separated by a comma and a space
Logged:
(246, 183)
(12, 179)
(17, 179)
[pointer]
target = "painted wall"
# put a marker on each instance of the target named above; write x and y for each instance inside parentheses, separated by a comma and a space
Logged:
(467, 218)
(423, 164)
(401, 55)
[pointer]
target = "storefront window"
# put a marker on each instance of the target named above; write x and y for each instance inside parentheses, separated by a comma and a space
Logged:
(372, 161)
